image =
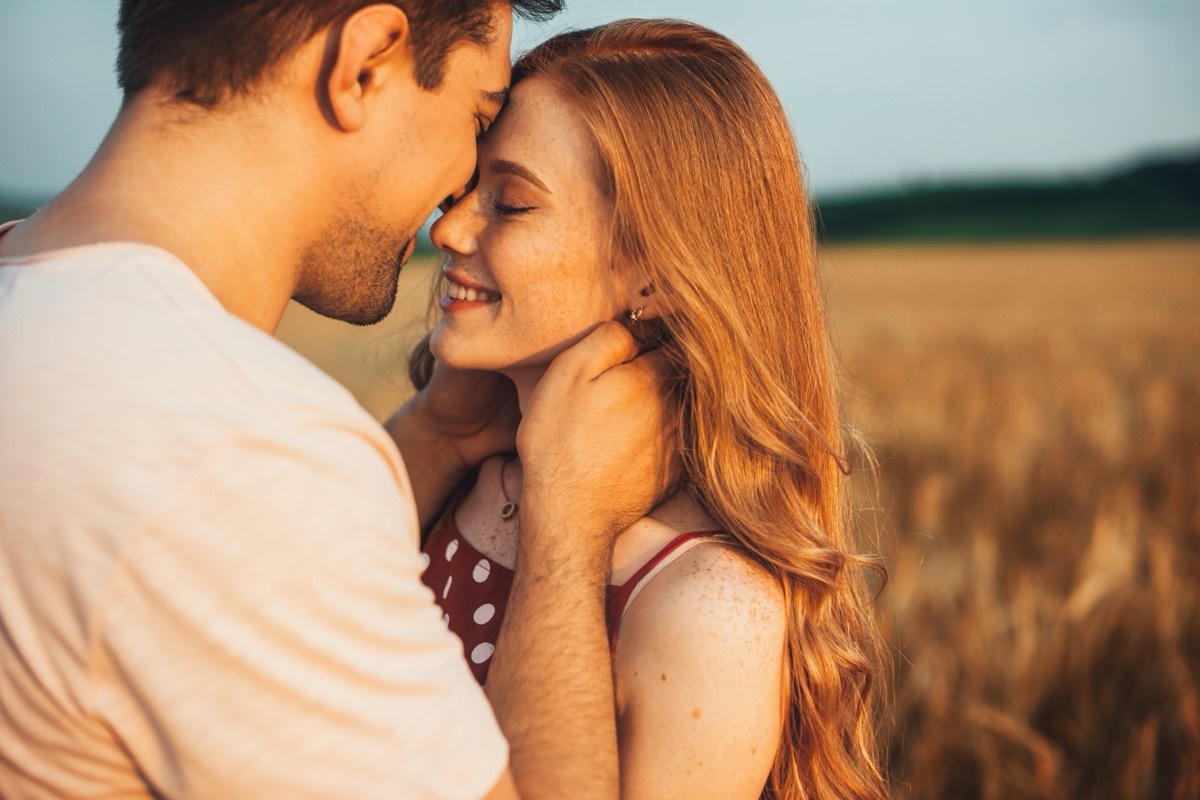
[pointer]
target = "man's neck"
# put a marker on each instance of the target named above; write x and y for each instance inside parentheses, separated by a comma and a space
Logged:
(220, 191)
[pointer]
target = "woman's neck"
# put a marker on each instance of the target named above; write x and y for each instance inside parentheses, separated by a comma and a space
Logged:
(678, 513)
(526, 380)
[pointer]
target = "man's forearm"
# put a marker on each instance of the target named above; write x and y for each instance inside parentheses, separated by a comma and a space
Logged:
(433, 469)
(448, 428)
(551, 680)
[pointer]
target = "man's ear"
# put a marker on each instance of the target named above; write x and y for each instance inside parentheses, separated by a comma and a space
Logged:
(372, 46)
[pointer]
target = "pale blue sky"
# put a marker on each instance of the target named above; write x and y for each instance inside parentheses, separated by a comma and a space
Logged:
(880, 92)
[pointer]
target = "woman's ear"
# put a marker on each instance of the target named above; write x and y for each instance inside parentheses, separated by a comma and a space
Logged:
(647, 319)
(371, 46)
(644, 304)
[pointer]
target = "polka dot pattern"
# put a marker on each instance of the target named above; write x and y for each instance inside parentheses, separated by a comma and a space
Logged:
(484, 614)
(472, 591)
(482, 652)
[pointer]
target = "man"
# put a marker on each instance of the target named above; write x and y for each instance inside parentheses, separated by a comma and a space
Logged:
(209, 579)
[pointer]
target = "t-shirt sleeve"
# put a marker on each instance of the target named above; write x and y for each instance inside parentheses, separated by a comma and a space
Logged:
(267, 634)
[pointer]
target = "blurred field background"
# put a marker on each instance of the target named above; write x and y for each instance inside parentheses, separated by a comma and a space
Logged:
(1035, 409)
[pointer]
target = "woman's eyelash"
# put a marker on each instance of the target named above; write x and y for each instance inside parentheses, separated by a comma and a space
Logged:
(508, 210)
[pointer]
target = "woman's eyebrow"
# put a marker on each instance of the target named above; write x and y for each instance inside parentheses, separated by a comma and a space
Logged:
(502, 167)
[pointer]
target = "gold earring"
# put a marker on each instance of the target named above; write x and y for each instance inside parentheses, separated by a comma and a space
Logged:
(635, 316)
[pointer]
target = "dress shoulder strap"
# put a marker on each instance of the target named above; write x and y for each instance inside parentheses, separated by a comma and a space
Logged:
(620, 597)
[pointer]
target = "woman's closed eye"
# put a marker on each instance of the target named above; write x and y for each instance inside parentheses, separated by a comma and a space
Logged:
(505, 200)
(510, 210)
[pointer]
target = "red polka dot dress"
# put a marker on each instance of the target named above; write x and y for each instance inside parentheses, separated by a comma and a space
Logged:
(473, 591)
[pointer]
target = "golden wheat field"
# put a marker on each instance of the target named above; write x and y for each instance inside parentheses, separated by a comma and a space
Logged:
(1035, 412)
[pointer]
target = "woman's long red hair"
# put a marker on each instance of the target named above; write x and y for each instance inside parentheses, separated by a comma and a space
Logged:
(711, 208)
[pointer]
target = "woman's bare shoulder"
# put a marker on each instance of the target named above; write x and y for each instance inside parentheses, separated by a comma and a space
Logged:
(699, 668)
(716, 589)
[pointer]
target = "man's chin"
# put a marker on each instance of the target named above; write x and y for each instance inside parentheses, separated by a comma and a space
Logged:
(375, 306)
(351, 273)
(360, 314)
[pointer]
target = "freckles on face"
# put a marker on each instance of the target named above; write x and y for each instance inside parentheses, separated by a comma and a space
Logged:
(530, 270)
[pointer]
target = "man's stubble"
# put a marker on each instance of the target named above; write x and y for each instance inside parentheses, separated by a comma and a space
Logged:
(350, 272)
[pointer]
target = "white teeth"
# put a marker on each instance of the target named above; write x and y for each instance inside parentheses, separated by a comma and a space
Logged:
(457, 291)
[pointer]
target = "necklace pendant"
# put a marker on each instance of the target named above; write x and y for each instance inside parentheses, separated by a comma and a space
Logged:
(510, 509)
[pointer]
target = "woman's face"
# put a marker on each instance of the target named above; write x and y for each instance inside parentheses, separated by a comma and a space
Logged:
(529, 269)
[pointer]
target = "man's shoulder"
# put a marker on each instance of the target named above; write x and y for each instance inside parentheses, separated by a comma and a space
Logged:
(121, 375)
(133, 324)
(126, 386)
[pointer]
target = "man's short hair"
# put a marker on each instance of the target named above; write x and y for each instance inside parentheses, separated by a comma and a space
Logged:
(206, 52)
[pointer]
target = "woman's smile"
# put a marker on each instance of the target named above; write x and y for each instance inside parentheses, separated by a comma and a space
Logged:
(463, 294)
(530, 269)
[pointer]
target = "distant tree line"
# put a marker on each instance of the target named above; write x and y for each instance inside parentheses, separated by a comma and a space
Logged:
(1158, 196)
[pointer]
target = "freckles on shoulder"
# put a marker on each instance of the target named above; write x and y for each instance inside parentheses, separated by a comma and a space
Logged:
(716, 602)
(700, 676)
(743, 598)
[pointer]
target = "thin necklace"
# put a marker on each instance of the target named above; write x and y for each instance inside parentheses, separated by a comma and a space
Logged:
(510, 507)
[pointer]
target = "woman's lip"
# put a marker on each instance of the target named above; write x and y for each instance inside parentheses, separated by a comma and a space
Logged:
(448, 303)
(463, 294)
(462, 280)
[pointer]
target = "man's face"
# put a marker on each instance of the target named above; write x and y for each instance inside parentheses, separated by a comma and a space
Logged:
(420, 148)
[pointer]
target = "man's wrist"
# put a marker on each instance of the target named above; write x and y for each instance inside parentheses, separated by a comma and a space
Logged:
(560, 541)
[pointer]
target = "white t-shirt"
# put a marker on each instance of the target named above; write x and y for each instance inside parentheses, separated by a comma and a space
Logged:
(209, 573)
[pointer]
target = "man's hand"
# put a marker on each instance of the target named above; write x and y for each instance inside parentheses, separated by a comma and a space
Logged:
(448, 428)
(592, 445)
(594, 440)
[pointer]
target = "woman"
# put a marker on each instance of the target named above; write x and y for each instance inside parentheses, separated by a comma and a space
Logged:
(645, 170)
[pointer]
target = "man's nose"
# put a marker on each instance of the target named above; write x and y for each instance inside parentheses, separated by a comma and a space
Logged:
(452, 199)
